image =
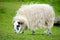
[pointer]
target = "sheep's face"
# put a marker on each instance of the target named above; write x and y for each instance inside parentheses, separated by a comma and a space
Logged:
(17, 26)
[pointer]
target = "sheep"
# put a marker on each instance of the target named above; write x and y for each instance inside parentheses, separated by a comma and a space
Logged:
(57, 21)
(34, 16)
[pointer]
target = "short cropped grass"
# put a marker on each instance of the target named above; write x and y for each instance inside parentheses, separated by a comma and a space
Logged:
(7, 12)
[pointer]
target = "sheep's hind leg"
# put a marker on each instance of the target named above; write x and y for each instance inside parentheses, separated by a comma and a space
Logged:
(47, 31)
(47, 28)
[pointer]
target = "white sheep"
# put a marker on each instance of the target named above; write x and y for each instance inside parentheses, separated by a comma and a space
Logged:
(34, 16)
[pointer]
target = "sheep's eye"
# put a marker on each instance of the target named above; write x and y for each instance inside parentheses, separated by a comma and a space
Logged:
(20, 23)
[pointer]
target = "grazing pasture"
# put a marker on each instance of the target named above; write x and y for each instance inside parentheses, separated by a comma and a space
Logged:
(7, 11)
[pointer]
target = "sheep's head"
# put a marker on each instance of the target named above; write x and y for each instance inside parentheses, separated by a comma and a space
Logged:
(18, 25)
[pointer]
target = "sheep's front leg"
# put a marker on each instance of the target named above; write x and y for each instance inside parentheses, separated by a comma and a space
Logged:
(33, 32)
(22, 31)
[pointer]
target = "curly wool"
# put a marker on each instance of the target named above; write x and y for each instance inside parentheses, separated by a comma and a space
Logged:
(37, 15)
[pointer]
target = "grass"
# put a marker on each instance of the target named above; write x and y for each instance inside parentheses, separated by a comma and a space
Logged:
(7, 12)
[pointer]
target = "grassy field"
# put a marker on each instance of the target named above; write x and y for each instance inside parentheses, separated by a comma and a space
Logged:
(8, 11)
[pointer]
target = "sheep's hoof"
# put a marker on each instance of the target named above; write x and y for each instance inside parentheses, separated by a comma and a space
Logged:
(22, 33)
(33, 32)
(49, 33)
(46, 33)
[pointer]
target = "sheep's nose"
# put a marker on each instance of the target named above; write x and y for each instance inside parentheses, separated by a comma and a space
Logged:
(18, 27)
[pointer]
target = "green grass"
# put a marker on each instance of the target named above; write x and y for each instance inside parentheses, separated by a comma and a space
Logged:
(8, 11)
